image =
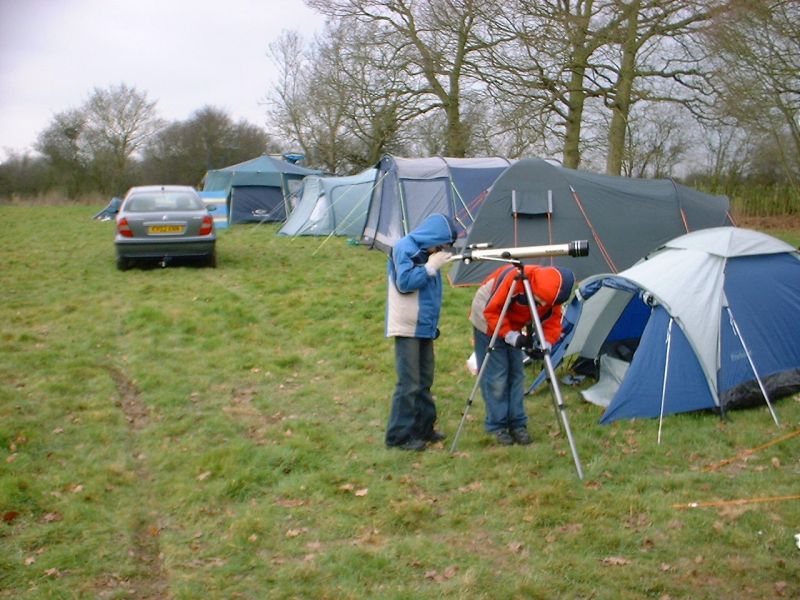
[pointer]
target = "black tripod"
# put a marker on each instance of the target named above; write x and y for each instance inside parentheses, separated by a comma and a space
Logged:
(558, 402)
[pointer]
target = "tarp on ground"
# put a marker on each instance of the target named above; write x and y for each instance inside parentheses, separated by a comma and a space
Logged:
(258, 190)
(408, 190)
(332, 206)
(536, 203)
(110, 211)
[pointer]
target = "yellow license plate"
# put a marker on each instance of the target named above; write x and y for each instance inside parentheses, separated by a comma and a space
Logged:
(165, 229)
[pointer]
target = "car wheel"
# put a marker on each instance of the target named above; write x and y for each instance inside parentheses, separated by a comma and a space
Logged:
(211, 259)
(123, 264)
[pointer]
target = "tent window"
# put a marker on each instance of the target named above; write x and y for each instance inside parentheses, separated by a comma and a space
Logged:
(294, 185)
(531, 203)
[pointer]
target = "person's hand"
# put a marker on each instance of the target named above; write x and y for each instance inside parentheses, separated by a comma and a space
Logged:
(435, 262)
(516, 339)
(537, 350)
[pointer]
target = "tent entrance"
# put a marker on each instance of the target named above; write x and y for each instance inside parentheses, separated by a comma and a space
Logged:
(257, 204)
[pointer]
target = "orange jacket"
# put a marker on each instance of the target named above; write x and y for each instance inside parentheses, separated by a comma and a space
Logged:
(549, 284)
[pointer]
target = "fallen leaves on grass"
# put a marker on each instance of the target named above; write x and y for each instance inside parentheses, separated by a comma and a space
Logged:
(568, 528)
(472, 487)
(448, 573)
(9, 516)
(290, 502)
(349, 487)
(293, 533)
(52, 517)
(516, 547)
(615, 561)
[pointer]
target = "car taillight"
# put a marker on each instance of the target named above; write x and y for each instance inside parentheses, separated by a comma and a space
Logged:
(207, 227)
(123, 228)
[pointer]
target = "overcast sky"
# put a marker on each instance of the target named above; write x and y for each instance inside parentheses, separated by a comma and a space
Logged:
(184, 54)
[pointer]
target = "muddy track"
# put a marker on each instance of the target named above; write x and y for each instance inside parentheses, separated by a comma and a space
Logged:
(150, 581)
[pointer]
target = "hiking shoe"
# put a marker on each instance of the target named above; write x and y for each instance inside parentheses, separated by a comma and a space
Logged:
(413, 444)
(436, 436)
(521, 436)
(503, 437)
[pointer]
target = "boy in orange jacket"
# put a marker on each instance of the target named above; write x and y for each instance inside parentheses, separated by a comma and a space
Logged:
(503, 380)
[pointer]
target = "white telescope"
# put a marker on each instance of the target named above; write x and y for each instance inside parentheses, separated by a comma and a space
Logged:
(486, 252)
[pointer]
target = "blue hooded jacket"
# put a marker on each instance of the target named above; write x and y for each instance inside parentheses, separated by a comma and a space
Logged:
(415, 297)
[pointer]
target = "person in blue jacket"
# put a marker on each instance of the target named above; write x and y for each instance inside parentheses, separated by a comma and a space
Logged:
(413, 304)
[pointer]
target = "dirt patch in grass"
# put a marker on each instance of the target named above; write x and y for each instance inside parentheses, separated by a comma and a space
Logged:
(150, 581)
(135, 411)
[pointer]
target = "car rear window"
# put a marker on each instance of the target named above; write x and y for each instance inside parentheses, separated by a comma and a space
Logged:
(161, 201)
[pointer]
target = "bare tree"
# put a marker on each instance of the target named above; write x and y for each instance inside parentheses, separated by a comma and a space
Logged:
(63, 147)
(433, 45)
(337, 99)
(656, 44)
(119, 120)
(545, 77)
(656, 142)
(574, 59)
(757, 54)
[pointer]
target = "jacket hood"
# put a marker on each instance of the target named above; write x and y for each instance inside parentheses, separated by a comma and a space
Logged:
(554, 284)
(436, 230)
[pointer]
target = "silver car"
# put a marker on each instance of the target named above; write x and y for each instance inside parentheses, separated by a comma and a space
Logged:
(163, 222)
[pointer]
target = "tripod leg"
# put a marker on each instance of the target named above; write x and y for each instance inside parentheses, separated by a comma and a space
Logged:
(466, 408)
(562, 413)
(561, 410)
(483, 365)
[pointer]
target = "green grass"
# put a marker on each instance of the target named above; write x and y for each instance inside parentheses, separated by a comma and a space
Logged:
(198, 433)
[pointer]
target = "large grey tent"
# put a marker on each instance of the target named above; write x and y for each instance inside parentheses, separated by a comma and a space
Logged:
(332, 206)
(709, 320)
(258, 190)
(408, 190)
(535, 202)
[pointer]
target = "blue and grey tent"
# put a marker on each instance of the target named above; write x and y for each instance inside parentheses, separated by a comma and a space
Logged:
(332, 206)
(257, 190)
(710, 320)
(217, 204)
(408, 190)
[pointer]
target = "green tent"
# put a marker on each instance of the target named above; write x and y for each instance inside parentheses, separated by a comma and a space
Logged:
(537, 203)
(259, 189)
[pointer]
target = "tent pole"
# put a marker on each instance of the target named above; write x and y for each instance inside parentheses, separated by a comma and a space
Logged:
(347, 218)
(461, 201)
(664, 383)
(738, 333)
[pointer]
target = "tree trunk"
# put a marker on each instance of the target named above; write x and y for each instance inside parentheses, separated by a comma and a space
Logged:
(621, 107)
(575, 103)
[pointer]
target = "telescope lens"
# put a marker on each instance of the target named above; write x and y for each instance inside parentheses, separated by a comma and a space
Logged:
(579, 248)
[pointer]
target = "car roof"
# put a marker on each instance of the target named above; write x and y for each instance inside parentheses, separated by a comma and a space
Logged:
(160, 188)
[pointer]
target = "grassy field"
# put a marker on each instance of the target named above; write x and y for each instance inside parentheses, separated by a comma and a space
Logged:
(196, 433)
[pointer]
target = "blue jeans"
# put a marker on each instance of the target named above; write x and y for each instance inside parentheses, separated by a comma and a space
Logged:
(502, 383)
(413, 411)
